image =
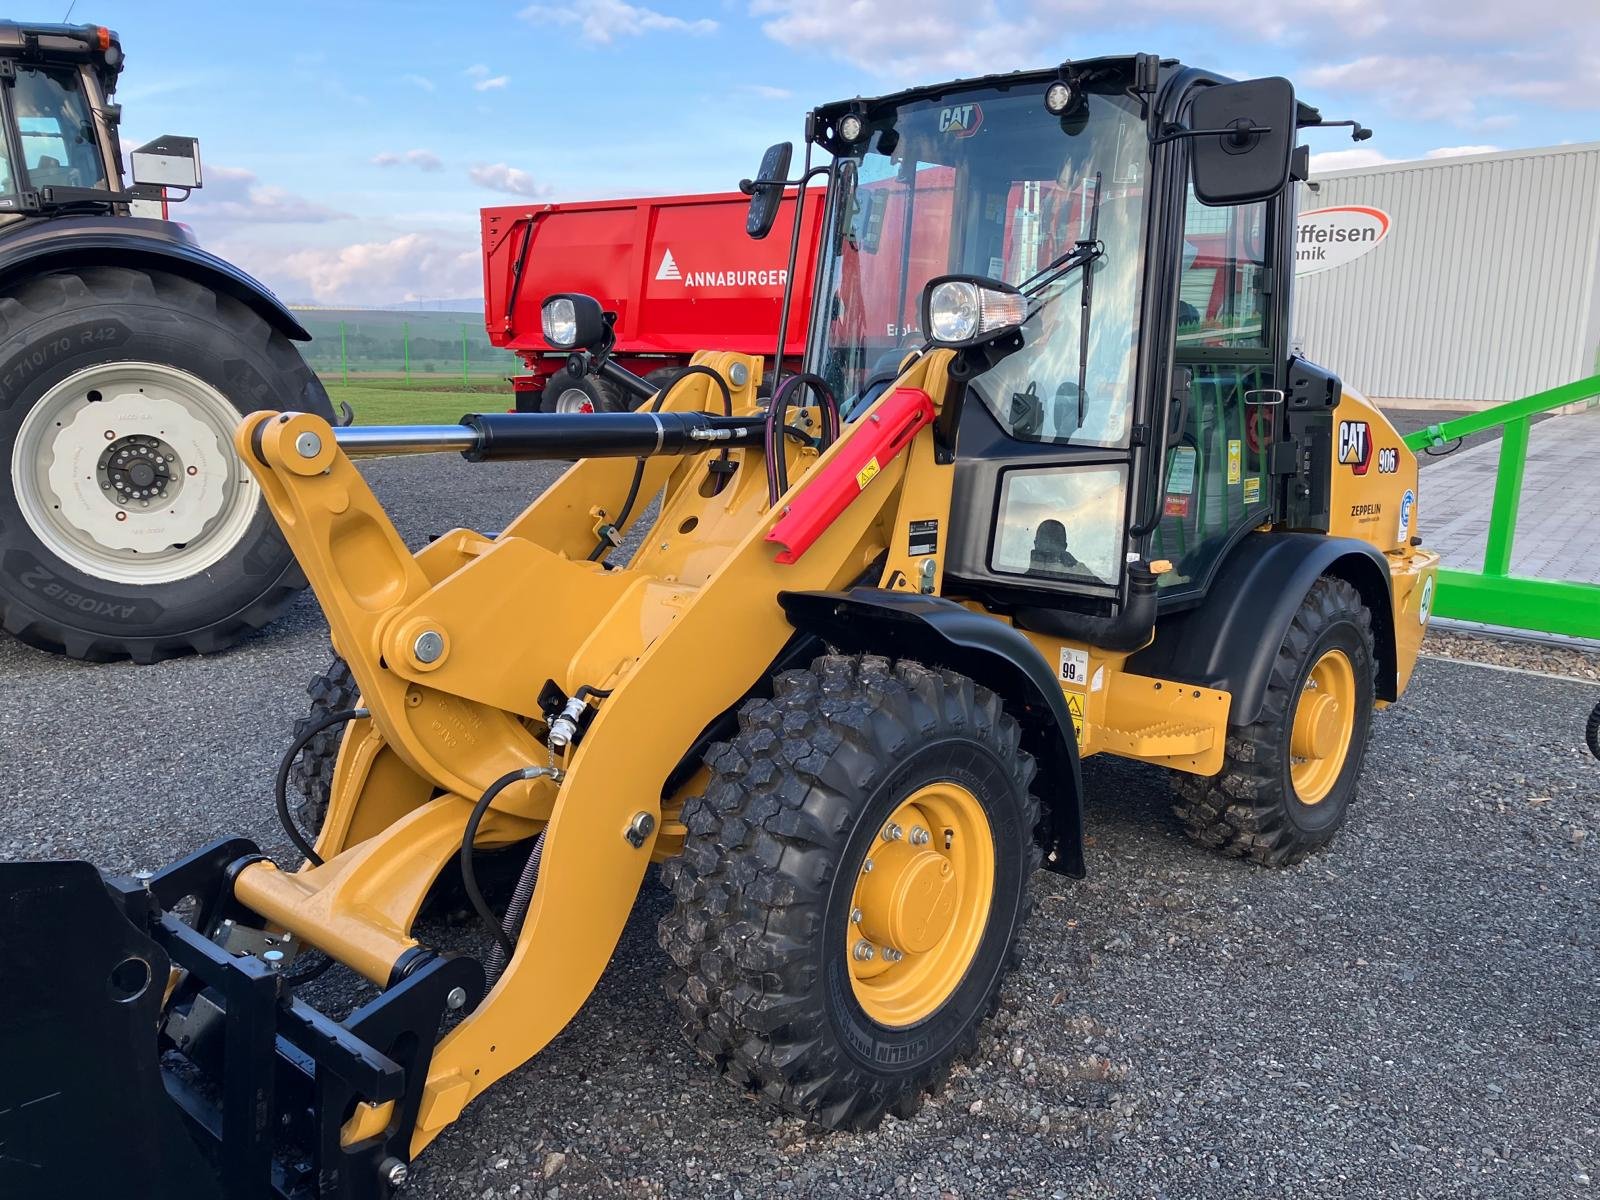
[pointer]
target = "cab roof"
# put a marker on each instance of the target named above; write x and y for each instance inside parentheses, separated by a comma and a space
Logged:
(27, 41)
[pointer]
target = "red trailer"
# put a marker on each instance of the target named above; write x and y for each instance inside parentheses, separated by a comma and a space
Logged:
(679, 272)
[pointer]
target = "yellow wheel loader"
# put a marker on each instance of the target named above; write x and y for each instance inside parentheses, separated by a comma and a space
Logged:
(1051, 484)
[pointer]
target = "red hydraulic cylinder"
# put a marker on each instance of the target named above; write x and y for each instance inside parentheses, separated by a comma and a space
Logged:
(829, 489)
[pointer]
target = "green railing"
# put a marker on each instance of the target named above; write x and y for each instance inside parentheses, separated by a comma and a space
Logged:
(1494, 596)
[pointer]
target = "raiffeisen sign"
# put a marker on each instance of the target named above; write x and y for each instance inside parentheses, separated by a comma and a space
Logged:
(1331, 237)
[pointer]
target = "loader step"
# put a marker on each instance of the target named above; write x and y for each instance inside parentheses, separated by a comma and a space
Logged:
(1159, 739)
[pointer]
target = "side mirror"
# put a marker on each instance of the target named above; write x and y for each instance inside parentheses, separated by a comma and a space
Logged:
(572, 321)
(1242, 142)
(168, 161)
(766, 191)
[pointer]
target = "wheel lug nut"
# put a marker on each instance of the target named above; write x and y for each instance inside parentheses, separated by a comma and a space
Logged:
(863, 951)
(855, 916)
(920, 836)
(890, 954)
(892, 832)
(866, 866)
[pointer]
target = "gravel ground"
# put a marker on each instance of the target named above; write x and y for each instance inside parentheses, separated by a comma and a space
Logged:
(1410, 1014)
(1576, 660)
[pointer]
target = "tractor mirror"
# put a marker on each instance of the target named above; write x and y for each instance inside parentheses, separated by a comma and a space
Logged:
(1243, 137)
(168, 161)
(766, 190)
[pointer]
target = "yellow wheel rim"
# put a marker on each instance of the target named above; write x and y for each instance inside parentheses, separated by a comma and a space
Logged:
(1324, 720)
(920, 905)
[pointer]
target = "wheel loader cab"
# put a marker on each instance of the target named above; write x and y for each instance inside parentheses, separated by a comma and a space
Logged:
(1133, 414)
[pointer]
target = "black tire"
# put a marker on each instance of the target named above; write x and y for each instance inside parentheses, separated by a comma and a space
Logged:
(1251, 809)
(55, 325)
(763, 889)
(311, 775)
(564, 392)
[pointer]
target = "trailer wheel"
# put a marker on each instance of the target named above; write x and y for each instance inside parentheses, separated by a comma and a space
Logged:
(311, 775)
(1289, 778)
(130, 528)
(582, 394)
(852, 885)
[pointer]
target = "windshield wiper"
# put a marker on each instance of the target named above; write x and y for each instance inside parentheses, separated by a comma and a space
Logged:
(1092, 251)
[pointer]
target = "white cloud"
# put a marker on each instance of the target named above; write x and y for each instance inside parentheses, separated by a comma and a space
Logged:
(601, 22)
(419, 81)
(1458, 151)
(413, 266)
(944, 38)
(235, 194)
(424, 160)
(764, 91)
(483, 81)
(500, 177)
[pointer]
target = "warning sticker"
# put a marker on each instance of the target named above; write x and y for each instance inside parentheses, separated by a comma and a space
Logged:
(1235, 460)
(924, 538)
(1180, 472)
(1075, 707)
(1176, 506)
(1252, 490)
(1074, 666)
(868, 473)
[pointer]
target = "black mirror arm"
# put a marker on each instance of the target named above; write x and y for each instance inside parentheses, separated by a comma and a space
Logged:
(749, 186)
(1240, 135)
(1358, 131)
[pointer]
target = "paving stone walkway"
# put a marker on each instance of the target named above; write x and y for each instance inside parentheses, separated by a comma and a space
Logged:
(1558, 526)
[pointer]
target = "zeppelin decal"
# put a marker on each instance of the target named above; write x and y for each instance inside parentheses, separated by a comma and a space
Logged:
(1330, 237)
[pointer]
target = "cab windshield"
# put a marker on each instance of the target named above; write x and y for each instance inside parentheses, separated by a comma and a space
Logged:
(989, 183)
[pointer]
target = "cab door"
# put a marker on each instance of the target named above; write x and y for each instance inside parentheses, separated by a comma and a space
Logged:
(1216, 483)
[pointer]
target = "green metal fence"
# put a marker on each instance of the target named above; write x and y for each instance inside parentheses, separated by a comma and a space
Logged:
(408, 347)
(1494, 596)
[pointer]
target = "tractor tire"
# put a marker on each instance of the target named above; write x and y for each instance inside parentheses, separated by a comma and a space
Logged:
(311, 775)
(583, 394)
(125, 385)
(867, 804)
(1289, 778)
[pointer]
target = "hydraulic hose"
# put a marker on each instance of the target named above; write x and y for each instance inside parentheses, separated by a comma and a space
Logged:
(281, 789)
(777, 418)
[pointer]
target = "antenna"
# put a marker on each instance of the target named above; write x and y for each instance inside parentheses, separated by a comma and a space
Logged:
(70, 7)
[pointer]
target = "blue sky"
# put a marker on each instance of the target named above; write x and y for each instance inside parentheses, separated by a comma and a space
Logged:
(349, 144)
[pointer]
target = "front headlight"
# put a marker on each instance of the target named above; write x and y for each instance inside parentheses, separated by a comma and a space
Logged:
(573, 321)
(964, 310)
(560, 322)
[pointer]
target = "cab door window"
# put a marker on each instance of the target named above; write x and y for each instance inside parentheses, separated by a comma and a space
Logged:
(1216, 480)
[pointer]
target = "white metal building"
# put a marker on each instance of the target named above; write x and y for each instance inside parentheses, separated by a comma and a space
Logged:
(1462, 279)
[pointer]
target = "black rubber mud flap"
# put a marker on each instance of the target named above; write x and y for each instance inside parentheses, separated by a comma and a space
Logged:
(83, 1111)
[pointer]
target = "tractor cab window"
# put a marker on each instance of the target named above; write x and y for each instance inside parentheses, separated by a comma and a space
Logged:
(1216, 480)
(55, 129)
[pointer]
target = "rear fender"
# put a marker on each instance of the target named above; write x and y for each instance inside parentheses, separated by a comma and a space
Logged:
(940, 633)
(1229, 641)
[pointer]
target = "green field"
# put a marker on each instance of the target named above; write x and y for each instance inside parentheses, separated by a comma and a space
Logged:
(390, 402)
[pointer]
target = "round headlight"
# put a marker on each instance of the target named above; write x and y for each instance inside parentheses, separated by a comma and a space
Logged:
(953, 309)
(1058, 98)
(851, 127)
(560, 320)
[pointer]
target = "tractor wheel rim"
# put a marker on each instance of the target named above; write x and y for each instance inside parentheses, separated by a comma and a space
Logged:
(921, 907)
(1324, 722)
(574, 400)
(126, 472)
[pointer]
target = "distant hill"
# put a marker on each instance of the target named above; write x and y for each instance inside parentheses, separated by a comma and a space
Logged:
(464, 304)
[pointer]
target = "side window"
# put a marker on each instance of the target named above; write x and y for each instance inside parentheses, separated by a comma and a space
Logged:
(1220, 297)
(1216, 480)
(57, 131)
